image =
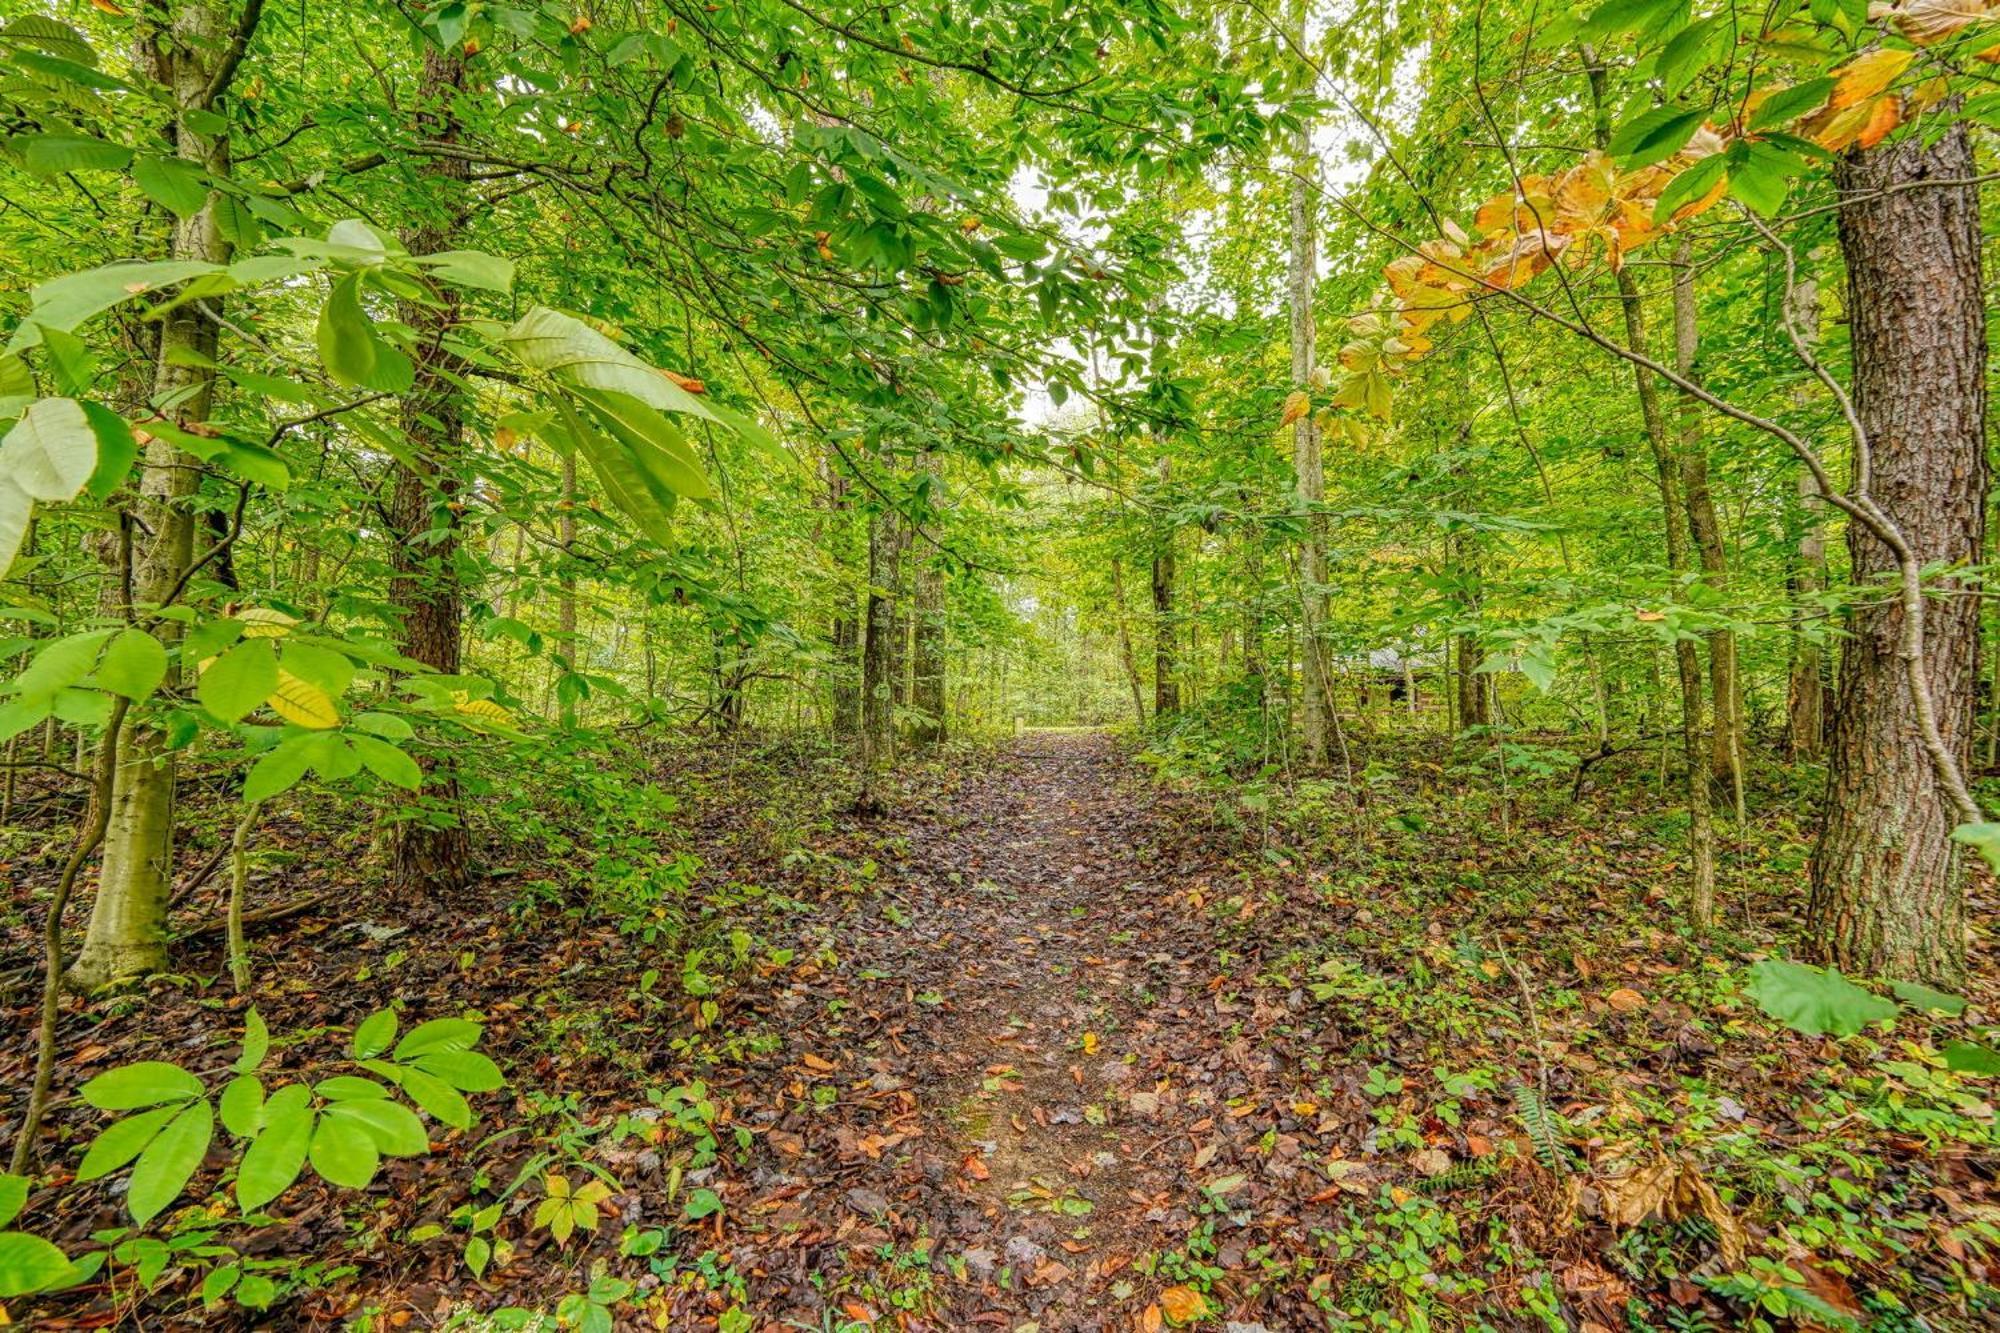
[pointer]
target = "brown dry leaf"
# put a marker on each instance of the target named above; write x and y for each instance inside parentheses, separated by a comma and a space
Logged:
(1665, 1189)
(1432, 1161)
(1149, 1320)
(1626, 1000)
(1183, 1305)
(975, 1166)
(814, 1062)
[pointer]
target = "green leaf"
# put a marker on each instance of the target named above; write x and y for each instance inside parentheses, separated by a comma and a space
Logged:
(443, 1102)
(1967, 1058)
(29, 1264)
(116, 450)
(133, 665)
(236, 682)
(1919, 996)
(348, 1088)
(242, 1105)
(1690, 185)
(668, 467)
(65, 302)
(387, 762)
(1982, 838)
(354, 354)
(147, 1083)
(468, 1071)
(256, 463)
(344, 1152)
(1788, 104)
(51, 451)
(1656, 135)
(169, 1161)
(1815, 1001)
(472, 268)
(54, 154)
(374, 1033)
(59, 665)
(580, 356)
(124, 1140)
(13, 1196)
(440, 1034)
(256, 1042)
(703, 1202)
(176, 185)
(278, 769)
(273, 1160)
(394, 1127)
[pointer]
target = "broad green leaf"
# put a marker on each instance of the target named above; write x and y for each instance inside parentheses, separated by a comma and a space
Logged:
(353, 352)
(175, 184)
(1788, 104)
(13, 1196)
(65, 302)
(443, 1102)
(387, 762)
(344, 1152)
(472, 268)
(124, 1140)
(235, 683)
(1919, 996)
(1656, 135)
(1815, 1001)
(59, 665)
(1967, 1058)
(374, 1033)
(349, 1087)
(468, 1071)
(580, 356)
(29, 1264)
(147, 1083)
(51, 451)
(241, 1106)
(54, 154)
(116, 450)
(394, 1127)
(133, 665)
(169, 1161)
(273, 1160)
(439, 1034)
(278, 769)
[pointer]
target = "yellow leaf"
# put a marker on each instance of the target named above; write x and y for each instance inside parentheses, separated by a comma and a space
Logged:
(1297, 404)
(1866, 75)
(302, 702)
(1183, 1305)
(262, 622)
(1090, 1043)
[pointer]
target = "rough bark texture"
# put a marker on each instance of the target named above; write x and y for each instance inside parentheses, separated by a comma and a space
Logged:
(844, 630)
(1888, 883)
(1126, 656)
(433, 852)
(127, 933)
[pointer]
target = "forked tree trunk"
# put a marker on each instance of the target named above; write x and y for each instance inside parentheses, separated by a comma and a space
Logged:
(432, 852)
(127, 934)
(1888, 892)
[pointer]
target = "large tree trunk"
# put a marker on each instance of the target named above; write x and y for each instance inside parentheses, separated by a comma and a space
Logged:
(1888, 882)
(432, 852)
(192, 56)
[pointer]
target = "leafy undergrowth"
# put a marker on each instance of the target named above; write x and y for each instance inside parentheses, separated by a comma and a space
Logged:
(1057, 1043)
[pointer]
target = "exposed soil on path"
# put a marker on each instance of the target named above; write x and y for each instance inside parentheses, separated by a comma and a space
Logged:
(1038, 1131)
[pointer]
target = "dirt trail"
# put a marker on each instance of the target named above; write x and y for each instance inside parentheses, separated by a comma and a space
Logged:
(1001, 1089)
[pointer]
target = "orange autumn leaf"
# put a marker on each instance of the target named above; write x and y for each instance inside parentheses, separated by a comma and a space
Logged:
(1866, 75)
(1297, 404)
(1183, 1305)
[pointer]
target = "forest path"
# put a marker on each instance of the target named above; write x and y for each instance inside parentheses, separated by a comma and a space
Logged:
(1004, 1090)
